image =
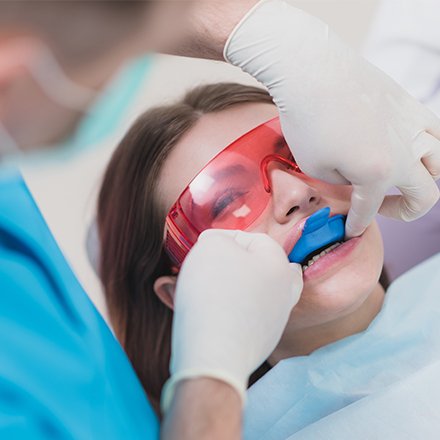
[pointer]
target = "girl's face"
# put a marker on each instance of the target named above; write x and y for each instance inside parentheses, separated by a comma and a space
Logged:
(336, 284)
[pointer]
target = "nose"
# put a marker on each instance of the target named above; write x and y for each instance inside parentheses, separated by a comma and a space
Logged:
(291, 194)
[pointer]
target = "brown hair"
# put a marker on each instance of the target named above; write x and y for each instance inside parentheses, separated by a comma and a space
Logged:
(131, 226)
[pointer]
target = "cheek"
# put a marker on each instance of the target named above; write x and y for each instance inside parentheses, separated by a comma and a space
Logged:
(345, 291)
(337, 196)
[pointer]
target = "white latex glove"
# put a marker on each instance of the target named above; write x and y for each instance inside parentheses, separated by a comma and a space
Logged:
(344, 119)
(234, 295)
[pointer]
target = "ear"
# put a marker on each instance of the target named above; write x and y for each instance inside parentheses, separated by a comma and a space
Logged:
(165, 288)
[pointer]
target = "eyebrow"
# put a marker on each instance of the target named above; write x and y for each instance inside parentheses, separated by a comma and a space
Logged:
(279, 143)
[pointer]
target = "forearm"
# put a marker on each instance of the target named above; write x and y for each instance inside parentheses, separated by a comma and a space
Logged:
(205, 28)
(203, 409)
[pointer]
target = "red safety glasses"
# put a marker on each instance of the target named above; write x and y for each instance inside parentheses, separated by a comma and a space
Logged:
(230, 192)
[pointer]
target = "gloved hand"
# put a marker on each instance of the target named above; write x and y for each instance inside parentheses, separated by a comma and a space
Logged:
(345, 120)
(234, 295)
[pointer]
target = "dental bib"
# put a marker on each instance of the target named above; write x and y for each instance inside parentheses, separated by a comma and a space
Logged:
(381, 383)
(320, 230)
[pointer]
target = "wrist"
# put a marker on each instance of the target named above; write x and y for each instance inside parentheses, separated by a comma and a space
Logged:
(210, 22)
(206, 387)
(215, 375)
(278, 43)
(202, 408)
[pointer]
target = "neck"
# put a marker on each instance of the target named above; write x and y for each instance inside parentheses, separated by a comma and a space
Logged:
(304, 341)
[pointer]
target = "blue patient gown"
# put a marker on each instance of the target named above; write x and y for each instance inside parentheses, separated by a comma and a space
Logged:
(383, 383)
(62, 373)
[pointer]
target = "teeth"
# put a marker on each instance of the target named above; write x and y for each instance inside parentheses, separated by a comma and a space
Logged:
(317, 257)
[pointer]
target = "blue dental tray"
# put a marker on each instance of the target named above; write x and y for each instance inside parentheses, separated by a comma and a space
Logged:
(319, 231)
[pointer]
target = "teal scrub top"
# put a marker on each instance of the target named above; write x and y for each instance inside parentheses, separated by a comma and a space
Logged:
(63, 375)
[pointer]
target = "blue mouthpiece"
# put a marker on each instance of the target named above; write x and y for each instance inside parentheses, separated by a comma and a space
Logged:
(319, 230)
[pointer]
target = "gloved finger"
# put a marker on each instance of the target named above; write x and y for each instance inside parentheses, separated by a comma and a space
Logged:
(433, 124)
(258, 243)
(241, 237)
(365, 202)
(208, 233)
(244, 239)
(250, 241)
(329, 175)
(428, 149)
(416, 199)
(297, 282)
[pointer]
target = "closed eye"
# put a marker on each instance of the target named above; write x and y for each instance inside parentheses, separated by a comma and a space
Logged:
(223, 202)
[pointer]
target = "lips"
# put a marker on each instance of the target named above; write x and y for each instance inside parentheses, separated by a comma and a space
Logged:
(294, 235)
(324, 233)
(333, 261)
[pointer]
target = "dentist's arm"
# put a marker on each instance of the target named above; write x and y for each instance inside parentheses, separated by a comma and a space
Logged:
(345, 120)
(234, 296)
(203, 409)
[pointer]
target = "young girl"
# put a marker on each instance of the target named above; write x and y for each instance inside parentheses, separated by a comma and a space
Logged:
(157, 159)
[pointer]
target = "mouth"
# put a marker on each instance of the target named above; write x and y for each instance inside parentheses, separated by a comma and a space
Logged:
(314, 256)
(335, 258)
(315, 237)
